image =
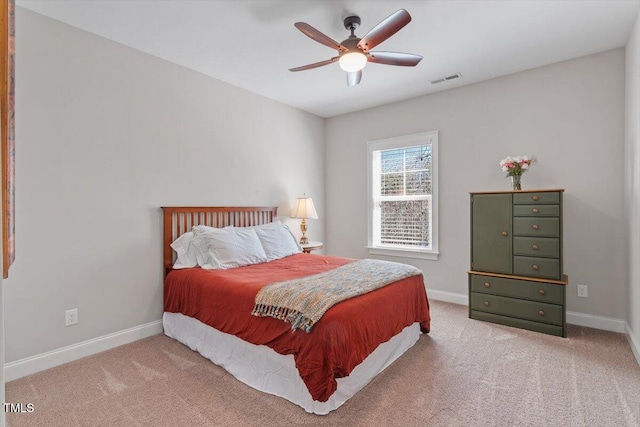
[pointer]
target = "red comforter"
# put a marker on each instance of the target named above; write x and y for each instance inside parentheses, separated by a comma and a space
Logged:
(342, 339)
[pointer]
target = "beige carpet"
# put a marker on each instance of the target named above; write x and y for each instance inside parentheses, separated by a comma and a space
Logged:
(464, 373)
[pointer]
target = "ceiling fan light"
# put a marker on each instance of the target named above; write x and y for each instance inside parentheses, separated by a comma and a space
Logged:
(353, 61)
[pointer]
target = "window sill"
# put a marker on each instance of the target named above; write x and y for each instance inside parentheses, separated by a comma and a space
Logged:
(404, 253)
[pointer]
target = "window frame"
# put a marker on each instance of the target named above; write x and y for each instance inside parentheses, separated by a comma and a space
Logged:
(397, 143)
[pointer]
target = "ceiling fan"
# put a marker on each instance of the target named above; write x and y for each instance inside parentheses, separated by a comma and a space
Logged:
(354, 52)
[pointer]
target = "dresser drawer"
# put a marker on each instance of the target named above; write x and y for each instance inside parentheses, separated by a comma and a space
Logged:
(541, 227)
(545, 328)
(545, 247)
(536, 210)
(522, 309)
(548, 268)
(524, 289)
(544, 198)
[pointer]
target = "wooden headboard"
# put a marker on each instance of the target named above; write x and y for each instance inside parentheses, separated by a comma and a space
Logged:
(178, 220)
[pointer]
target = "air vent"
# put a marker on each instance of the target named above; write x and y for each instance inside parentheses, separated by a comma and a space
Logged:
(447, 78)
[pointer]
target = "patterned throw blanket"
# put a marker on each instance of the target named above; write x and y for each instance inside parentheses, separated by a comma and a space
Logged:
(303, 301)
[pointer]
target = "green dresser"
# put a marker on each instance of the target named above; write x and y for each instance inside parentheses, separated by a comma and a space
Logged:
(516, 275)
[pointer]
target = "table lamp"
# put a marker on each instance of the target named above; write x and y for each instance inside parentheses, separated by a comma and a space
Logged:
(304, 209)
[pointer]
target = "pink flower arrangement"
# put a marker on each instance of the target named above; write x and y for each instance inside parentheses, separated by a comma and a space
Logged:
(516, 166)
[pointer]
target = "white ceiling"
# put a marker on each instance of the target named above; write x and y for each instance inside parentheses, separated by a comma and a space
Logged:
(252, 44)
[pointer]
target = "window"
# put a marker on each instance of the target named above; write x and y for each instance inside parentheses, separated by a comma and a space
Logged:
(403, 196)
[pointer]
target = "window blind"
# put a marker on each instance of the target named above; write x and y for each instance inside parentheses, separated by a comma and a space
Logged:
(402, 196)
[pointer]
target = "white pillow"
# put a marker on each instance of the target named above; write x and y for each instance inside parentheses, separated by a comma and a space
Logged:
(278, 241)
(199, 229)
(185, 250)
(228, 248)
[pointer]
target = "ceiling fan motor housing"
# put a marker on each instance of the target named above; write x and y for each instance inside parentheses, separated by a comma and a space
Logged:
(352, 44)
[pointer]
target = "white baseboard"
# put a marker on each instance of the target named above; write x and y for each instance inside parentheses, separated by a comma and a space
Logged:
(633, 342)
(597, 322)
(30, 365)
(462, 299)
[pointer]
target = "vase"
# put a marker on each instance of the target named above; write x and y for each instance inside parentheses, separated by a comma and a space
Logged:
(515, 182)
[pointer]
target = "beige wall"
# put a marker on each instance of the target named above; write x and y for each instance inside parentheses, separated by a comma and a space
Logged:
(107, 135)
(632, 180)
(570, 115)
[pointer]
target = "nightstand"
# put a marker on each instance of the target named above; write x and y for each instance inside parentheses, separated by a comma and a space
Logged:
(311, 246)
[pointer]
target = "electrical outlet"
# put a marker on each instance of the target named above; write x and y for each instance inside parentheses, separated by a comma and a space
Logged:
(71, 317)
(583, 291)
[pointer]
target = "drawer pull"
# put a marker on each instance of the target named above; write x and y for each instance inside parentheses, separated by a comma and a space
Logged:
(535, 226)
(535, 198)
(535, 267)
(541, 292)
(535, 247)
(541, 313)
(505, 234)
(487, 284)
(486, 303)
(535, 210)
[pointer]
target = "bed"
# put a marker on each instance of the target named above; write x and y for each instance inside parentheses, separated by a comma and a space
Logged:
(318, 369)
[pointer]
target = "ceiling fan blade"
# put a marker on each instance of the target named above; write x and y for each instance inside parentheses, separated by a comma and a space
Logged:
(394, 58)
(384, 30)
(316, 35)
(354, 77)
(315, 64)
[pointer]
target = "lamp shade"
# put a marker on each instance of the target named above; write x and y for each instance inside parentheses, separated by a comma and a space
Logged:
(304, 209)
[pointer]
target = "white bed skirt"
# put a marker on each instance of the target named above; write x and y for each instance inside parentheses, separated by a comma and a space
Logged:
(260, 367)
